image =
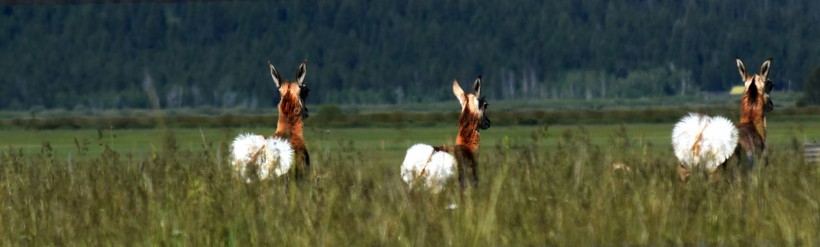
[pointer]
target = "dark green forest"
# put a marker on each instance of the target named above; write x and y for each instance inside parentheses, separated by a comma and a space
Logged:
(214, 54)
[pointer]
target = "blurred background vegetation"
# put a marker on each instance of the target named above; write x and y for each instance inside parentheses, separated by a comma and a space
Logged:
(81, 57)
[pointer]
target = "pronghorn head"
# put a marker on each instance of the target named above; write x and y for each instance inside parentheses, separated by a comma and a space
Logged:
(472, 106)
(756, 100)
(294, 94)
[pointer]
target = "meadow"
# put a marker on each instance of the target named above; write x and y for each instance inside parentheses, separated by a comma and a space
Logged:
(539, 185)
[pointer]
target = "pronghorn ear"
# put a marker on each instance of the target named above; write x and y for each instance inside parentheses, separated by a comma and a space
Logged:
(274, 74)
(300, 73)
(764, 69)
(458, 92)
(741, 69)
(477, 86)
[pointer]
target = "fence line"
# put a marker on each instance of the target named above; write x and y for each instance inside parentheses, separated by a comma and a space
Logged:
(812, 152)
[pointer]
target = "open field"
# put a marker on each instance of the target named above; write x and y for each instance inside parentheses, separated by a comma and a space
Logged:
(538, 185)
(382, 142)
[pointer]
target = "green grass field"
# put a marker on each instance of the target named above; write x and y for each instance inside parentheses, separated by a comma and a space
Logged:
(387, 143)
(548, 185)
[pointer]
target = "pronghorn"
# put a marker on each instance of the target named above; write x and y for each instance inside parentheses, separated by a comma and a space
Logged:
(287, 145)
(435, 165)
(710, 141)
(754, 105)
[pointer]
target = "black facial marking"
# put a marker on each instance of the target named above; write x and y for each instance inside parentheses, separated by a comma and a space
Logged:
(767, 87)
(303, 93)
(485, 121)
(769, 106)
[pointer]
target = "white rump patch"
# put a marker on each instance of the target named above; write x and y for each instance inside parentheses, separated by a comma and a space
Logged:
(717, 137)
(431, 169)
(268, 154)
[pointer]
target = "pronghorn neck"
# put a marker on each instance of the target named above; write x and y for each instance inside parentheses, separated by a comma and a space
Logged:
(287, 130)
(752, 114)
(290, 122)
(468, 135)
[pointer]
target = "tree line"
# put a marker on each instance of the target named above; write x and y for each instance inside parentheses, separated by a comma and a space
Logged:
(361, 52)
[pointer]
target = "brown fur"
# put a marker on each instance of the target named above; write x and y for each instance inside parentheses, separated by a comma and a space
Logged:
(290, 115)
(289, 126)
(696, 147)
(442, 149)
(468, 135)
(470, 121)
(752, 124)
(683, 173)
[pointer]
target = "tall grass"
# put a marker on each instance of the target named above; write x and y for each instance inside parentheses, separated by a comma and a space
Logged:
(528, 195)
